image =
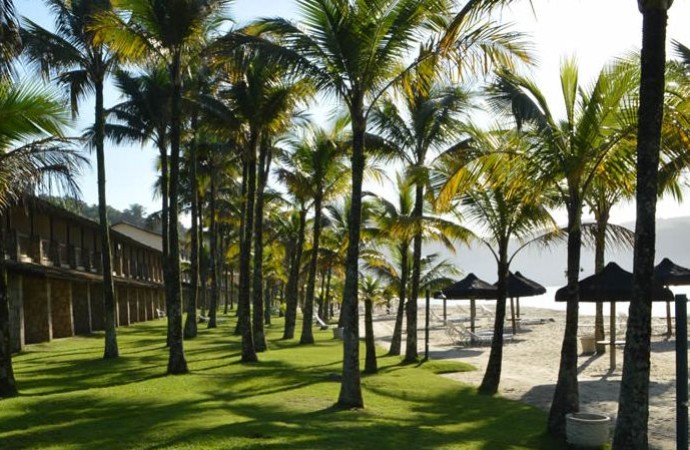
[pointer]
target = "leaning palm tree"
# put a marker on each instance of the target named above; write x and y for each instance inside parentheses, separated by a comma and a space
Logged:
(28, 113)
(81, 64)
(505, 202)
(170, 32)
(566, 156)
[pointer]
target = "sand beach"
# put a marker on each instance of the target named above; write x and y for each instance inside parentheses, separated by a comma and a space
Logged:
(531, 360)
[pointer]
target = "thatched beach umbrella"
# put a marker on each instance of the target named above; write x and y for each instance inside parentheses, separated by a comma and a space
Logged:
(521, 286)
(671, 274)
(469, 288)
(612, 284)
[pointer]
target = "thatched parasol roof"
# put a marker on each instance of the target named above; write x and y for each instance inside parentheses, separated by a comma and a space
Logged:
(469, 287)
(521, 286)
(670, 274)
(612, 284)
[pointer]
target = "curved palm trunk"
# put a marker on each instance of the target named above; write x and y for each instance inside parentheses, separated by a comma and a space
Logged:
(292, 288)
(307, 336)
(350, 388)
(492, 376)
(327, 294)
(213, 243)
(370, 365)
(111, 348)
(8, 385)
(177, 363)
(244, 312)
(633, 405)
(566, 398)
(258, 234)
(396, 340)
(228, 288)
(599, 262)
(190, 326)
(411, 353)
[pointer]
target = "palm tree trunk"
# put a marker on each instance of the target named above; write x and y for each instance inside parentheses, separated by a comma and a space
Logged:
(350, 388)
(599, 262)
(111, 348)
(292, 288)
(411, 343)
(190, 326)
(258, 235)
(370, 365)
(165, 213)
(228, 289)
(177, 363)
(307, 336)
(566, 398)
(327, 294)
(633, 406)
(243, 242)
(268, 301)
(396, 340)
(8, 385)
(492, 376)
(213, 243)
(248, 349)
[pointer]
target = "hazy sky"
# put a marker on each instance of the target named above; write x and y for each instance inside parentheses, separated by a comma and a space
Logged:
(593, 31)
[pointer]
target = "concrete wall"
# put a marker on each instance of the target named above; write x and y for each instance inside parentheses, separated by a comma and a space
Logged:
(37, 324)
(81, 307)
(16, 300)
(61, 308)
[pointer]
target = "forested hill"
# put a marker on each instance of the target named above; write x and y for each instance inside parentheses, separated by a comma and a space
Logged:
(135, 214)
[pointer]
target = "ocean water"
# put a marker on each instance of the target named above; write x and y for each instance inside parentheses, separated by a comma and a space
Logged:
(547, 301)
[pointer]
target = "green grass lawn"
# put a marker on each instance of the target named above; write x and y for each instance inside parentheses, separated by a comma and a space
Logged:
(71, 398)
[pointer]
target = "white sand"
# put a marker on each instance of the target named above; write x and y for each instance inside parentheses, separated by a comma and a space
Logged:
(530, 367)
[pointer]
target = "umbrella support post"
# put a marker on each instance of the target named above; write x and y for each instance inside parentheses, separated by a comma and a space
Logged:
(512, 316)
(473, 314)
(681, 371)
(612, 336)
(669, 324)
(445, 311)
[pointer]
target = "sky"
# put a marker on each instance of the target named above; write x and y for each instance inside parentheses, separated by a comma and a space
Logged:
(592, 31)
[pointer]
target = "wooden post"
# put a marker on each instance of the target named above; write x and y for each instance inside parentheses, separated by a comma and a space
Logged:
(681, 372)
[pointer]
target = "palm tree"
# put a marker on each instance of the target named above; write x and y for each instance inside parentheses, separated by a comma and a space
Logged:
(28, 113)
(10, 40)
(82, 64)
(372, 293)
(351, 49)
(633, 409)
(508, 206)
(566, 156)
(319, 157)
(426, 119)
(171, 32)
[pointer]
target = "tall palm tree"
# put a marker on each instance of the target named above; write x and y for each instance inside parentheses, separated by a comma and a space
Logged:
(82, 65)
(508, 206)
(351, 49)
(426, 119)
(171, 32)
(28, 113)
(566, 156)
(633, 409)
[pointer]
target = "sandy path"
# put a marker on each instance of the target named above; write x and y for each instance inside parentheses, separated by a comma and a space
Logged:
(530, 368)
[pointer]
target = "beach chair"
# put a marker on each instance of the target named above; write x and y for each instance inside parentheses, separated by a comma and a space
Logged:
(160, 313)
(484, 337)
(322, 324)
